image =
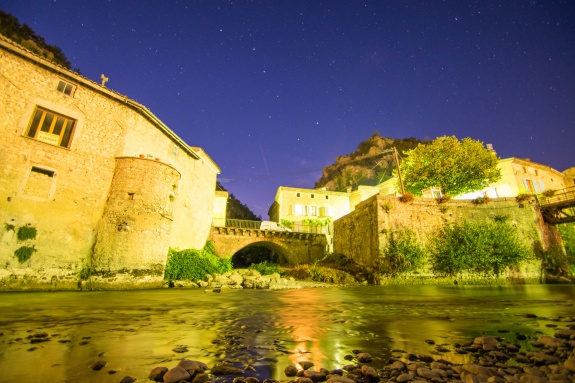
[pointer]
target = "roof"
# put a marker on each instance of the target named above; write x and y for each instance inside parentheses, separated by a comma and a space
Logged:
(204, 156)
(11, 46)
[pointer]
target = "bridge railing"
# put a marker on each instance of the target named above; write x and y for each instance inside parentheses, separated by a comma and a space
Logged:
(243, 223)
(558, 196)
(246, 224)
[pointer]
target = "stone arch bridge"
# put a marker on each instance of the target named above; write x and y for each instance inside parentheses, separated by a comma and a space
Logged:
(293, 248)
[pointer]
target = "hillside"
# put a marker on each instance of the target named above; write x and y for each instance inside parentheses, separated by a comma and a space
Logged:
(367, 165)
(236, 209)
(25, 36)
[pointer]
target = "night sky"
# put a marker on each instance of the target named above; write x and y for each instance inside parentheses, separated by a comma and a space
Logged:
(276, 90)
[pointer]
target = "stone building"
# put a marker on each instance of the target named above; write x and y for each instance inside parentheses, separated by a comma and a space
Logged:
(299, 205)
(517, 176)
(93, 186)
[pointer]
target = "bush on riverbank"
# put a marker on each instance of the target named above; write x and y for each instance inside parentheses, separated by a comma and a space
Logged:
(266, 268)
(317, 273)
(402, 254)
(480, 247)
(195, 265)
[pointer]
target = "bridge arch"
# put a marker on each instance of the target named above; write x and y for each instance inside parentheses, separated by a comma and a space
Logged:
(245, 257)
(294, 247)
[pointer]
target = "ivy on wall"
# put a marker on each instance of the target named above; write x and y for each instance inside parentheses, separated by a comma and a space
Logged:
(26, 234)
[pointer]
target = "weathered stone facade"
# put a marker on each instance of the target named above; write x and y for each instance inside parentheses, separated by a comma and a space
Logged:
(362, 234)
(292, 248)
(110, 201)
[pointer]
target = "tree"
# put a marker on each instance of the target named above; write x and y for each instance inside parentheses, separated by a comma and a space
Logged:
(455, 166)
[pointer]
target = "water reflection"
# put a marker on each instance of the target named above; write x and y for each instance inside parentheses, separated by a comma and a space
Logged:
(134, 331)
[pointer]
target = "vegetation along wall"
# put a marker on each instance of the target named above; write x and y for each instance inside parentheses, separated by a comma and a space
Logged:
(424, 241)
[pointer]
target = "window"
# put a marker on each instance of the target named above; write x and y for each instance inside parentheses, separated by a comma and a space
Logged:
(297, 195)
(297, 209)
(39, 183)
(312, 210)
(66, 88)
(326, 197)
(52, 128)
(312, 196)
(325, 211)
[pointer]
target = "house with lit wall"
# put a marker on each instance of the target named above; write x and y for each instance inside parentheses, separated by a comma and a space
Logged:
(102, 187)
(300, 205)
(517, 176)
(520, 176)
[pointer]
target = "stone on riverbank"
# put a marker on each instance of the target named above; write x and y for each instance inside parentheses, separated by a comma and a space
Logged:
(493, 361)
(176, 374)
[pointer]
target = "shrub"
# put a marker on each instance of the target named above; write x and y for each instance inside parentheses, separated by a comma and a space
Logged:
(316, 221)
(287, 223)
(406, 197)
(26, 232)
(24, 253)
(266, 268)
(501, 218)
(482, 247)
(386, 206)
(549, 193)
(522, 197)
(320, 274)
(444, 198)
(481, 200)
(195, 264)
(555, 260)
(402, 254)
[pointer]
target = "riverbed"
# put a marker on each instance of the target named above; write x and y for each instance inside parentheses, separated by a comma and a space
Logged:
(58, 336)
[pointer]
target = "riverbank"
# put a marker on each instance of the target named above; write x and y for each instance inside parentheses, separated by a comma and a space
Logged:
(551, 359)
(59, 337)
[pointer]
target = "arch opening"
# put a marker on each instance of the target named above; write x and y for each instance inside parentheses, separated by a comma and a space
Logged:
(259, 252)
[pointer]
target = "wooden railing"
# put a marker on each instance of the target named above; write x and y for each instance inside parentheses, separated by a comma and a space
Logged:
(559, 197)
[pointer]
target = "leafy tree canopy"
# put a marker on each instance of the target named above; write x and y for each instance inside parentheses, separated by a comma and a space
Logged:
(455, 166)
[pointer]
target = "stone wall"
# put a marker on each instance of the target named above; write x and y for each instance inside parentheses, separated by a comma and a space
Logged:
(293, 248)
(62, 192)
(361, 235)
(138, 215)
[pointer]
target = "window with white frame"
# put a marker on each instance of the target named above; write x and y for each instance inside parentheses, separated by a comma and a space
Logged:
(312, 210)
(66, 88)
(52, 128)
(297, 209)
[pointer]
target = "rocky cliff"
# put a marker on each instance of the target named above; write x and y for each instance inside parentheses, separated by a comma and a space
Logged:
(371, 164)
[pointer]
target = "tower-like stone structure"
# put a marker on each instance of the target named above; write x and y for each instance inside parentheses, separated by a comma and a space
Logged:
(133, 235)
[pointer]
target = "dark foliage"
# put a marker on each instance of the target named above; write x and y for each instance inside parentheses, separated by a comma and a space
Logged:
(236, 209)
(25, 36)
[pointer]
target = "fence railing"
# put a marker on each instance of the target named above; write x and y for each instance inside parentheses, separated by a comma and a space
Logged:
(246, 224)
(559, 196)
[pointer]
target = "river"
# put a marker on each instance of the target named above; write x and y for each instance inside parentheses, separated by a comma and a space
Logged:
(135, 331)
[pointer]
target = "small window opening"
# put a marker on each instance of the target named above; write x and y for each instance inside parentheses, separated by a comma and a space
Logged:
(326, 197)
(46, 172)
(297, 194)
(39, 182)
(65, 88)
(131, 196)
(312, 196)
